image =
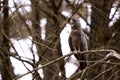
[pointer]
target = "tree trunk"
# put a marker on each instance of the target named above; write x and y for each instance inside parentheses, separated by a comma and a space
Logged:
(36, 34)
(6, 68)
(100, 32)
(52, 41)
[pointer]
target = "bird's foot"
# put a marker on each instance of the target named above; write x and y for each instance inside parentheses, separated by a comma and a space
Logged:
(79, 51)
(75, 51)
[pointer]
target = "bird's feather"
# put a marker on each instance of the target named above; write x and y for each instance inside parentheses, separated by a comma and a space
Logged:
(78, 42)
(70, 44)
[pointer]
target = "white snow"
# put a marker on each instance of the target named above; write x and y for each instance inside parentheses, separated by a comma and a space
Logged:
(23, 47)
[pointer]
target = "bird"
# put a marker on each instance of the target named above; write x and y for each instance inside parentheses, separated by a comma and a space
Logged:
(78, 42)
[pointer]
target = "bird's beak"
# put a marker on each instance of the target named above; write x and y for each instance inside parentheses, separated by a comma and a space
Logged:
(71, 23)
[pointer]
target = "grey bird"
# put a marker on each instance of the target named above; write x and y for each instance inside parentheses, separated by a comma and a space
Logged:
(78, 42)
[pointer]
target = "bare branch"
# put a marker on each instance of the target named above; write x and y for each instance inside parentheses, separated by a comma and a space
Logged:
(112, 53)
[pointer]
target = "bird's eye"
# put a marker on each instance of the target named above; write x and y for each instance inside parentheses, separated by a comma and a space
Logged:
(72, 24)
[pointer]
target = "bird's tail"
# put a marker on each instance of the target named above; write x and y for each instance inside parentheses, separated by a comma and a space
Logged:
(83, 62)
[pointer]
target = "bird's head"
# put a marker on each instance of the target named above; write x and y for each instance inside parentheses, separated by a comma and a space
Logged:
(75, 24)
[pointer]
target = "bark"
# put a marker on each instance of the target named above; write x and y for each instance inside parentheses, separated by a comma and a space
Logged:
(52, 41)
(49, 48)
(114, 43)
(100, 32)
(6, 68)
(36, 33)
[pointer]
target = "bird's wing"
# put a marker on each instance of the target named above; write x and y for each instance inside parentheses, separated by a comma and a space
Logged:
(84, 39)
(70, 43)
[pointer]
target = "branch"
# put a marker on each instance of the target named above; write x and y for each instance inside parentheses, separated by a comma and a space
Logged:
(115, 12)
(82, 73)
(112, 53)
(102, 73)
(59, 5)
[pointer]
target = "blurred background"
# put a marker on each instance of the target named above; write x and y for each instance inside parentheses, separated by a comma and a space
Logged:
(35, 32)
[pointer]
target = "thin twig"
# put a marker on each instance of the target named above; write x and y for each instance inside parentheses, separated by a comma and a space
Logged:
(113, 53)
